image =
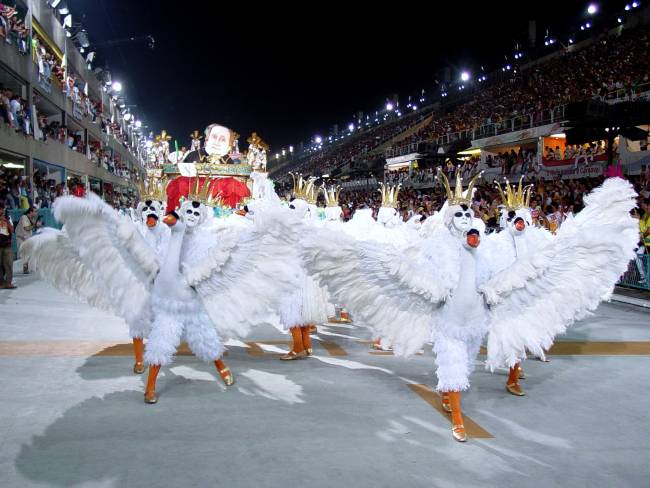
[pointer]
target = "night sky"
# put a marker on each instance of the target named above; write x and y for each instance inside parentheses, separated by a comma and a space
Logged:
(289, 74)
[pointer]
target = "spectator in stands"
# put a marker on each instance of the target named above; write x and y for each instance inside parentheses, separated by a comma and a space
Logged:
(644, 224)
(24, 230)
(6, 253)
(5, 106)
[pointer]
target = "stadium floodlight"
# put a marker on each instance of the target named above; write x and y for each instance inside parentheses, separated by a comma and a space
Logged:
(635, 4)
(464, 76)
(116, 86)
(351, 127)
(415, 107)
(127, 116)
(620, 21)
(389, 106)
(592, 9)
(318, 139)
(138, 124)
(291, 149)
(627, 7)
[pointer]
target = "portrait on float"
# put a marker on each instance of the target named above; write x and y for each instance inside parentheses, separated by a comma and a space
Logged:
(219, 141)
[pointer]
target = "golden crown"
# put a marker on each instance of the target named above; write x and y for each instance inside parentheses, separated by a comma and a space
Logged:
(152, 188)
(331, 195)
(202, 194)
(257, 140)
(389, 195)
(457, 197)
(162, 137)
(304, 189)
(515, 198)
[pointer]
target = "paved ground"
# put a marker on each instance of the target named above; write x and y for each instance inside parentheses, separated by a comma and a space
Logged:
(71, 411)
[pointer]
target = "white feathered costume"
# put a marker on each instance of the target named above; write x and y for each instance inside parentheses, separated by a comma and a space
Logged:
(200, 291)
(441, 289)
(305, 304)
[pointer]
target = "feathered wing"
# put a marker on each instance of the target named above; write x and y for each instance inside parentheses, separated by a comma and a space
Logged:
(57, 261)
(241, 272)
(562, 281)
(394, 291)
(108, 248)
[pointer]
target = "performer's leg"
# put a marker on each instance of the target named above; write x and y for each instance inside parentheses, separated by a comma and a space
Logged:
(206, 344)
(159, 351)
(138, 351)
(150, 392)
(377, 345)
(297, 350)
(446, 406)
(224, 372)
(306, 339)
(458, 427)
(512, 385)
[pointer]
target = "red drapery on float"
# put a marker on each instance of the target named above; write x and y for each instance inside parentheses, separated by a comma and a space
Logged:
(232, 190)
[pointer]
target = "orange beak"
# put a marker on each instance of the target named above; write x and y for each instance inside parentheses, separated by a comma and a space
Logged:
(170, 220)
(151, 222)
(473, 240)
(520, 225)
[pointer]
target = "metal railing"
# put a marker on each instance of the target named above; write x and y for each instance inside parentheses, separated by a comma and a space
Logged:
(638, 273)
(638, 92)
(410, 148)
(512, 124)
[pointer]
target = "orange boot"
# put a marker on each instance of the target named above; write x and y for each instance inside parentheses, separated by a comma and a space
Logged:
(457, 426)
(306, 339)
(224, 372)
(376, 344)
(298, 350)
(150, 392)
(512, 385)
(446, 406)
(138, 350)
(521, 374)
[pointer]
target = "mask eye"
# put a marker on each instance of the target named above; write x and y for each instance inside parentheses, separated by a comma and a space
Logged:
(197, 213)
(458, 214)
(511, 215)
(292, 207)
(468, 215)
(189, 212)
